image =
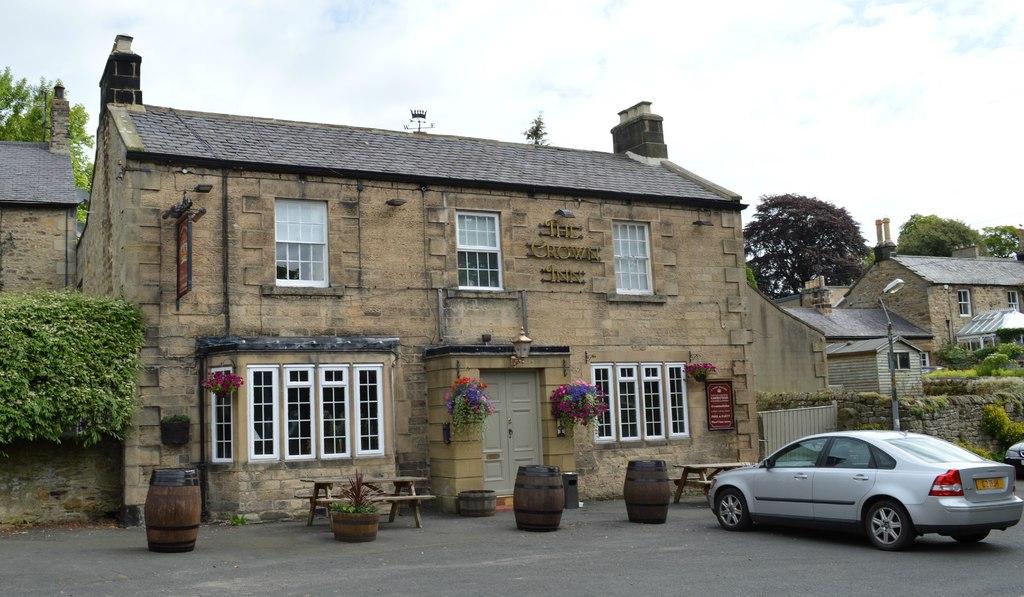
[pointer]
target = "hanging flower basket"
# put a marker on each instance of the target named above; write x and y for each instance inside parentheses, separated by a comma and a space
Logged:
(222, 383)
(577, 403)
(469, 405)
(700, 371)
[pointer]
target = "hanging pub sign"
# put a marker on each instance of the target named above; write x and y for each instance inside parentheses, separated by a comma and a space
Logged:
(720, 405)
(184, 255)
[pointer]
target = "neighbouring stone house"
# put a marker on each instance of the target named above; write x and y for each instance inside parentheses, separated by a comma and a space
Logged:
(349, 275)
(940, 294)
(38, 202)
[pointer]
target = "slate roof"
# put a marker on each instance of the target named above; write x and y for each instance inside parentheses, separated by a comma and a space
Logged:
(30, 174)
(987, 322)
(874, 345)
(219, 140)
(850, 324)
(965, 271)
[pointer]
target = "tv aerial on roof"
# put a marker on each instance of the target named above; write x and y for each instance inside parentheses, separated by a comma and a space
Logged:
(418, 122)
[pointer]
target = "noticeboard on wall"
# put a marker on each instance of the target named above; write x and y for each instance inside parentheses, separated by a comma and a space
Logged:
(721, 414)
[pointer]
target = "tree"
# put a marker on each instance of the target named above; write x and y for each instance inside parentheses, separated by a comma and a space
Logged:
(1000, 241)
(537, 134)
(24, 116)
(793, 238)
(934, 236)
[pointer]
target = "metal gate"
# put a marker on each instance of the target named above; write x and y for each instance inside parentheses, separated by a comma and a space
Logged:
(779, 427)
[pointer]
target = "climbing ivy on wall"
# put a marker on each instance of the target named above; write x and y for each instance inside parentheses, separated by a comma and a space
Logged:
(68, 362)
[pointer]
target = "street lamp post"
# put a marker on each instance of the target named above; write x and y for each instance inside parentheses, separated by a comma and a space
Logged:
(892, 288)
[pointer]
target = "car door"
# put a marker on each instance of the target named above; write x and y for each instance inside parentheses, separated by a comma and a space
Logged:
(784, 489)
(846, 475)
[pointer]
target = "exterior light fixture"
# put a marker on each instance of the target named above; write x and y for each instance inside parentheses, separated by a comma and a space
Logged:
(203, 188)
(521, 347)
(396, 202)
(565, 213)
(892, 288)
(703, 218)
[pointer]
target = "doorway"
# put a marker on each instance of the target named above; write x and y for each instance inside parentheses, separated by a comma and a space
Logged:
(512, 433)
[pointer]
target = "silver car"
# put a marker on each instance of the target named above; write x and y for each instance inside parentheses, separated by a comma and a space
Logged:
(891, 485)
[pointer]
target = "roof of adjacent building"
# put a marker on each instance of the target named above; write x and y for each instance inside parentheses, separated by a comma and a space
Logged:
(874, 345)
(988, 322)
(965, 271)
(857, 323)
(30, 174)
(259, 143)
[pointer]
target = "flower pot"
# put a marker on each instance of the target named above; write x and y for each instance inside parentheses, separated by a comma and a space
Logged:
(700, 376)
(355, 527)
(477, 502)
(175, 433)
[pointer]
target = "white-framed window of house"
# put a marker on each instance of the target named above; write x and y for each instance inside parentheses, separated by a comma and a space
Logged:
(301, 242)
(370, 403)
(321, 411)
(262, 411)
(963, 301)
(632, 251)
(646, 401)
(1013, 300)
(222, 423)
(300, 420)
(926, 360)
(479, 250)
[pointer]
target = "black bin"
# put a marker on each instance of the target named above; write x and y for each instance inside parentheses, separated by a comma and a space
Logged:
(572, 490)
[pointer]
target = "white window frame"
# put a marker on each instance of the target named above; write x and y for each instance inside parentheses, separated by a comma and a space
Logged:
(222, 426)
(901, 356)
(363, 391)
(271, 424)
(657, 401)
(632, 258)
(299, 393)
(1013, 300)
(963, 301)
(368, 441)
(468, 242)
(300, 226)
(341, 384)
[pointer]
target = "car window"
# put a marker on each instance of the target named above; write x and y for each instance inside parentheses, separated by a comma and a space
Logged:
(882, 460)
(930, 449)
(801, 454)
(847, 452)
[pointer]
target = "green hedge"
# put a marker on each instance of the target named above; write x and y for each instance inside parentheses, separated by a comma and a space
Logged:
(68, 363)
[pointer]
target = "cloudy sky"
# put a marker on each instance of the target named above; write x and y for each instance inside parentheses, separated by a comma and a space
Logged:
(886, 108)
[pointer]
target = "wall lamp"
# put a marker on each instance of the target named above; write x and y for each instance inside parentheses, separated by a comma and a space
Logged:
(521, 347)
(892, 288)
(184, 207)
(565, 213)
(395, 202)
(705, 220)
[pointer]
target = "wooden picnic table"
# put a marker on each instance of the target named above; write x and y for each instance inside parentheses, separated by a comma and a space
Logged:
(701, 474)
(403, 491)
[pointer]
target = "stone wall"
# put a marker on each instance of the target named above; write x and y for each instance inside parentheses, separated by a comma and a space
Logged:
(955, 417)
(37, 247)
(46, 483)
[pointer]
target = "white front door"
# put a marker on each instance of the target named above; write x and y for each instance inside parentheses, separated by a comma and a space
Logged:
(512, 433)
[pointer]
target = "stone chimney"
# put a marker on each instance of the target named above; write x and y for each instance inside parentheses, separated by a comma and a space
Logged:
(1020, 244)
(886, 248)
(60, 122)
(121, 82)
(968, 252)
(640, 132)
(818, 295)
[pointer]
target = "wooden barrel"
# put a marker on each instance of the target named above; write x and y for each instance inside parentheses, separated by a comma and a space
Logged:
(538, 498)
(477, 502)
(647, 491)
(173, 509)
(352, 527)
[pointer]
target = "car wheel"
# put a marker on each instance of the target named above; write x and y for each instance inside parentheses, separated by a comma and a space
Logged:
(970, 537)
(731, 510)
(888, 526)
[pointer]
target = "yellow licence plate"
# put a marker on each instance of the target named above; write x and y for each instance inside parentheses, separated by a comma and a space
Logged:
(996, 483)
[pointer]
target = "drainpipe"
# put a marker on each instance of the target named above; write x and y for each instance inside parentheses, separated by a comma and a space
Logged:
(203, 483)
